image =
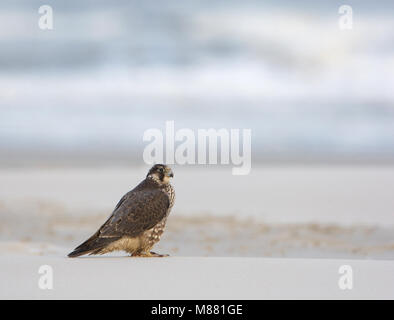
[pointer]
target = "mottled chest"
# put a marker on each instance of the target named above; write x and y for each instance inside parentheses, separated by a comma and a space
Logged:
(151, 236)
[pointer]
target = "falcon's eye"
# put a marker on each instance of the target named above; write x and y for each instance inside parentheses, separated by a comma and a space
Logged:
(161, 169)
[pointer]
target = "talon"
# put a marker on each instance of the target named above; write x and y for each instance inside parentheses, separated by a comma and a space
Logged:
(148, 255)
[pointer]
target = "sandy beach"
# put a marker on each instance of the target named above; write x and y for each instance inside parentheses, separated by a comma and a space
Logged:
(290, 219)
(298, 212)
(249, 245)
(193, 278)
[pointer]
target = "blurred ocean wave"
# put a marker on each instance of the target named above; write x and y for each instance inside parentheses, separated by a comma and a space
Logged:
(107, 72)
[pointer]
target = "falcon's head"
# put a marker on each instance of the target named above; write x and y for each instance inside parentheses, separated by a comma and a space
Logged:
(160, 173)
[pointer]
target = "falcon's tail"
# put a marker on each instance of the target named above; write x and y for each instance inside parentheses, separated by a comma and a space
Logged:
(93, 246)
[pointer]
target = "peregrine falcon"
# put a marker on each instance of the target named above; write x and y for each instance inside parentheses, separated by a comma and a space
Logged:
(138, 220)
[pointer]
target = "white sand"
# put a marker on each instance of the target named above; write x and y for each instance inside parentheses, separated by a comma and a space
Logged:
(221, 233)
(298, 212)
(193, 278)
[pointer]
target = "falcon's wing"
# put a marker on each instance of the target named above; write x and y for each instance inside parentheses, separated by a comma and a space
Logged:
(137, 211)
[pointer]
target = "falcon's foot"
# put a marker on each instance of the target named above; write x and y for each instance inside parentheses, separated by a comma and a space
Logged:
(148, 255)
(154, 254)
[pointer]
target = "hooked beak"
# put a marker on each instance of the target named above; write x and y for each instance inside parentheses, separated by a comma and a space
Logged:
(169, 173)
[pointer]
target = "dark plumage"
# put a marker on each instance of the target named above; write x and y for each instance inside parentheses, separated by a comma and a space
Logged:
(138, 220)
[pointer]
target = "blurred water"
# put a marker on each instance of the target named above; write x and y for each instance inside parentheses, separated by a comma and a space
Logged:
(110, 70)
